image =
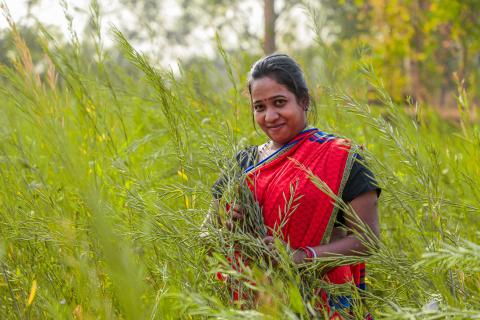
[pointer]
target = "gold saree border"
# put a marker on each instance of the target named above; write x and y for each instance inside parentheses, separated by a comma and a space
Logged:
(346, 173)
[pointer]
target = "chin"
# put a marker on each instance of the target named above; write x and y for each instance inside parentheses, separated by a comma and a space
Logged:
(280, 140)
(283, 136)
(278, 137)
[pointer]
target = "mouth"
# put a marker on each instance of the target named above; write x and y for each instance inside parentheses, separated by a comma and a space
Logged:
(277, 126)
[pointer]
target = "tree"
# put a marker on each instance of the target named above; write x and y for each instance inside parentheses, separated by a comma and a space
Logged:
(230, 18)
(269, 24)
(417, 45)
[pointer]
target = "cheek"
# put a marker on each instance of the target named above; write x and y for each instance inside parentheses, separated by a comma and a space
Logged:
(258, 117)
(300, 114)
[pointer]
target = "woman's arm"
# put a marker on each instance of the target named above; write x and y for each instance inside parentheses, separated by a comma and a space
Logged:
(349, 244)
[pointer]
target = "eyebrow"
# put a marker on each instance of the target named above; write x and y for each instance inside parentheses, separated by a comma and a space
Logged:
(271, 98)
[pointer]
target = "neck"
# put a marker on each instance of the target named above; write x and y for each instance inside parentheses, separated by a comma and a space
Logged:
(277, 145)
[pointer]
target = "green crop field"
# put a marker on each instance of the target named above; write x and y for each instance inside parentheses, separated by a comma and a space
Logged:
(106, 167)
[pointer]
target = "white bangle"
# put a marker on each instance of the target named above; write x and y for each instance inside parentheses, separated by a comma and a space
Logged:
(314, 253)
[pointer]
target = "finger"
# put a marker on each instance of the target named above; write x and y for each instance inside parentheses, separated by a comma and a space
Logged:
(236, 215)
(237, 208)
(274, 262)
(268, 239)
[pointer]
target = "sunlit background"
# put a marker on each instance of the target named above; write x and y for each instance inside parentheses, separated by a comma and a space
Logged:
(116, 117)
(424, 48)
(168, 29)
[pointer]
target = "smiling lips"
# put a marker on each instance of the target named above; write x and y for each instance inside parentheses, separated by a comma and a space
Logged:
(277, 126)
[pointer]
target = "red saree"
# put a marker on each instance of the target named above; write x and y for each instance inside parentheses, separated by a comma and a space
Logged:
(309, 219)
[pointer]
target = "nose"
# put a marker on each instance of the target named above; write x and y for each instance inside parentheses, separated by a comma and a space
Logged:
(271, 115)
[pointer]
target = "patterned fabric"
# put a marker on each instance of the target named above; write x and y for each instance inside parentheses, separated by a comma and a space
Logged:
(297, 210)
(292, 205)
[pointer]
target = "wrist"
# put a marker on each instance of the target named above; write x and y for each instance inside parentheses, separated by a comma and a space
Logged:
(304, 254)
(299, 256)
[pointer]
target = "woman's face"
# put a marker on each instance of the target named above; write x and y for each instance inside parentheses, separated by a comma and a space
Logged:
(277, 110)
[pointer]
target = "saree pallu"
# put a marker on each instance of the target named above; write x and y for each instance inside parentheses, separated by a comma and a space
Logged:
(298, 211)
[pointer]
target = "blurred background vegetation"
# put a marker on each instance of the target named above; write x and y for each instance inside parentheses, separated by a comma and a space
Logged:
(425, 49)
(111, 137)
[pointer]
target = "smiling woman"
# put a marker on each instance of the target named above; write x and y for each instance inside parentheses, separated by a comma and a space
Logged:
(277, 111)
(291, 165)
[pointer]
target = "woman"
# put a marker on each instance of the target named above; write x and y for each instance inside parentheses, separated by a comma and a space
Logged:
(284, 167)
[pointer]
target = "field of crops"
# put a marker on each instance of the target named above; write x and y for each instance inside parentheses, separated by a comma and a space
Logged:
(106, 167)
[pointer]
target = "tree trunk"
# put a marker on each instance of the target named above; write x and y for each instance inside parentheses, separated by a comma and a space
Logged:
(270, 17)
(417, 88)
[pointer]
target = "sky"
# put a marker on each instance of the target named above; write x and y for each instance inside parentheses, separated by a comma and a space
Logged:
(48, 12)
(51, 12)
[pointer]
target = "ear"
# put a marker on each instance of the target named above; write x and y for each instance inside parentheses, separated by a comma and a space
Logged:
(305, 103)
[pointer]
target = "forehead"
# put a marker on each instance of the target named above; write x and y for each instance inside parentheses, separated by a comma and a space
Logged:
(266, 87)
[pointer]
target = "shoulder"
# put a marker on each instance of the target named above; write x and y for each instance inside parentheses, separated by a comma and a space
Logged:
(360, 180)
(322, 137)
(243, 158)
(246, 157)
(322, 140)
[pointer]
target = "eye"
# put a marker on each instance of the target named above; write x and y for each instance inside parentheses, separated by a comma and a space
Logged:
(279, 102)
(258, 107)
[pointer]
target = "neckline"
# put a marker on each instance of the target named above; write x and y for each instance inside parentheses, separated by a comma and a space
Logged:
(293, 141)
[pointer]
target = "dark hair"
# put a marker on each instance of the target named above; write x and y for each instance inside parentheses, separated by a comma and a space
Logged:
(285, 71)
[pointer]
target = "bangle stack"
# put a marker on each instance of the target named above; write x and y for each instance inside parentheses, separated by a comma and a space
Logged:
(309, 252)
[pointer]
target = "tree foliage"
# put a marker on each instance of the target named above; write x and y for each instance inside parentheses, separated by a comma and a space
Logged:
(421, 46)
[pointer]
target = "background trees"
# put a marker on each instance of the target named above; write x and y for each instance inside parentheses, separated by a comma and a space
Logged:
(425, 48)
(107, 157)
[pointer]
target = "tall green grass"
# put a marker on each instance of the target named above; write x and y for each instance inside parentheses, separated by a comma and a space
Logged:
(106, 170)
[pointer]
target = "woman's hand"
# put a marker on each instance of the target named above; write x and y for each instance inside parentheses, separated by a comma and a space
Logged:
(270, 243)
(236, 214)
(298, 256)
